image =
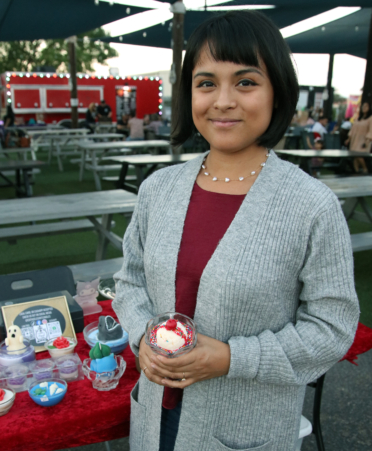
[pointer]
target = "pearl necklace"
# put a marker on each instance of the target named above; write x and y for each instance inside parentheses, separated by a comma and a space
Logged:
(226, 179)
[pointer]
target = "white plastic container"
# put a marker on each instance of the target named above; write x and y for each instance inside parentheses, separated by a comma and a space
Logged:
(306, 429)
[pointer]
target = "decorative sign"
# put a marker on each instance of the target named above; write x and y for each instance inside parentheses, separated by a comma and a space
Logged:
(41, 320)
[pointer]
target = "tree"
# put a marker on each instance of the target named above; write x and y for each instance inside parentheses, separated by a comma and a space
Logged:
(26, 55)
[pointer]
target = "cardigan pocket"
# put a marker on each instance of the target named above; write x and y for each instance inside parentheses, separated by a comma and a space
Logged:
(218, 446)
(137, 421)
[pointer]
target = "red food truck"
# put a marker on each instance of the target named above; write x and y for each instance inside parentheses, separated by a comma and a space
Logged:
(33, 94)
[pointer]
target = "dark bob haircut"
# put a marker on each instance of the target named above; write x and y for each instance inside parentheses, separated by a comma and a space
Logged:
(242, 37)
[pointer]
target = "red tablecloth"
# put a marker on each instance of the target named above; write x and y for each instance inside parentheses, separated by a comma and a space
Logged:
(362, 343)
(84, 416)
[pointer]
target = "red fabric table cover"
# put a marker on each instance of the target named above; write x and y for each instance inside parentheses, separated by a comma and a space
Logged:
(84, 416)
(362, 343)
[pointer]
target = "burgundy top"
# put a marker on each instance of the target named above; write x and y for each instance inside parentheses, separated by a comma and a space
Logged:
(208, 218)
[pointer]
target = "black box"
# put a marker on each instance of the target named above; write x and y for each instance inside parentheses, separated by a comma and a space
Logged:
(76, 311)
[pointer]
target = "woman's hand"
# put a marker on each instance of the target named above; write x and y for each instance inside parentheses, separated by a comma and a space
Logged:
(145, 356)
(210, 358)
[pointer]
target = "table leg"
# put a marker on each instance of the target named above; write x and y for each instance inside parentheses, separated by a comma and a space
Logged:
(317, 431)
(97, 180)
(140, 175)
(102, 240)
(349, 207)
(82, 165)
(28, 188)
(50, 153)
(365, 207)
(59, 157)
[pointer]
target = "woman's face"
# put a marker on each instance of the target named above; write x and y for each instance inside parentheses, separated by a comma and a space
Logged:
(232, 104)
(365, 107)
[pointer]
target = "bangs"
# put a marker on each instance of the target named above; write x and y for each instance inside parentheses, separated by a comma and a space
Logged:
(224, 43)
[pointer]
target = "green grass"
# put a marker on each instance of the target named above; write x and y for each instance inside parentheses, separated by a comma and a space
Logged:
(47, 252)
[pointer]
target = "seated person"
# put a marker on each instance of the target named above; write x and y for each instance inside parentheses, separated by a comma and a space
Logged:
(319, 128)
(104, 112)
(9, 117)
(90, 117)
(122, 125)
(136, 130)
(155, 123)
(40, 119)
(317, 163)
(146, 120)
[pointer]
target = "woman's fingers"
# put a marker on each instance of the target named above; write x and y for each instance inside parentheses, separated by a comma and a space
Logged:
(183, 383)
(164, 373)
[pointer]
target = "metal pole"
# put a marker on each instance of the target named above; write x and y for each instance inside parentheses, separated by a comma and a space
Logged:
(73, 83)
(367, 89)
(329, 101)
(178, 10)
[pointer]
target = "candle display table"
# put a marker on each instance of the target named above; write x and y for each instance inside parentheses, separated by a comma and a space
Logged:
(84, 416)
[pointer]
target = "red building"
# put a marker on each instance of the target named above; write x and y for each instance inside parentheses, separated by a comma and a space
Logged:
(31, 93)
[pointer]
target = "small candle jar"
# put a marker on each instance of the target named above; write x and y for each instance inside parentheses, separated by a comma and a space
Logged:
(43, 369)
(68, 367)
(60, 346)
(16, 377)
(6, 401)
(24, 355)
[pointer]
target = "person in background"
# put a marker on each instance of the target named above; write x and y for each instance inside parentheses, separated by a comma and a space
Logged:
(146, 120)
(136, 130)
(319, 128)
(317, 163)
(90, 117)
(360, 137)
(155, 123)
(40, 119)
(104, 111)
(344, 133)
(9, 117)
(122, 125)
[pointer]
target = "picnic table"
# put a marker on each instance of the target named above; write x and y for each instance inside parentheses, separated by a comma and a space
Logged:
(55, 139)
(63, 207)
(23, 172)
(90, 150)
(304, 156)
(146, 165)
(355, 191)
(21, 152)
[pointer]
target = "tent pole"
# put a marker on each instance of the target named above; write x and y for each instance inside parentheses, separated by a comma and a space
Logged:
(73, 85)
(367, 89)
(179, 11)
(329, 101)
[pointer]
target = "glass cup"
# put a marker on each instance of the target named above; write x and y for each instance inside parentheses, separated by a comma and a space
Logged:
(184, 335)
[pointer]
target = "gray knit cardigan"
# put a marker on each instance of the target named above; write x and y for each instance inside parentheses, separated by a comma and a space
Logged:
(279, 289)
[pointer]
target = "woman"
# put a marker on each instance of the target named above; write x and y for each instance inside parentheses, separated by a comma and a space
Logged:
(360, 137)
(90, 116)
(9, 118)
(252, 248)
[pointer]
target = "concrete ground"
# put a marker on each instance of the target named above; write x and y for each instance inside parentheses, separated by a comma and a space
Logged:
(346, 412)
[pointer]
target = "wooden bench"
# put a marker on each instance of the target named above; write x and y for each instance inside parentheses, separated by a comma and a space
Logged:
(361, 241)
(103, 269)
(12, 234)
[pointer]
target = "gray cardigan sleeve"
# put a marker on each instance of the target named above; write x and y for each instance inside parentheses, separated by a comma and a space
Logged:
(326, 319)
(132, 303)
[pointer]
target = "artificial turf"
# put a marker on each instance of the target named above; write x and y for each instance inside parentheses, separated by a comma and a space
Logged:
(50, 251)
